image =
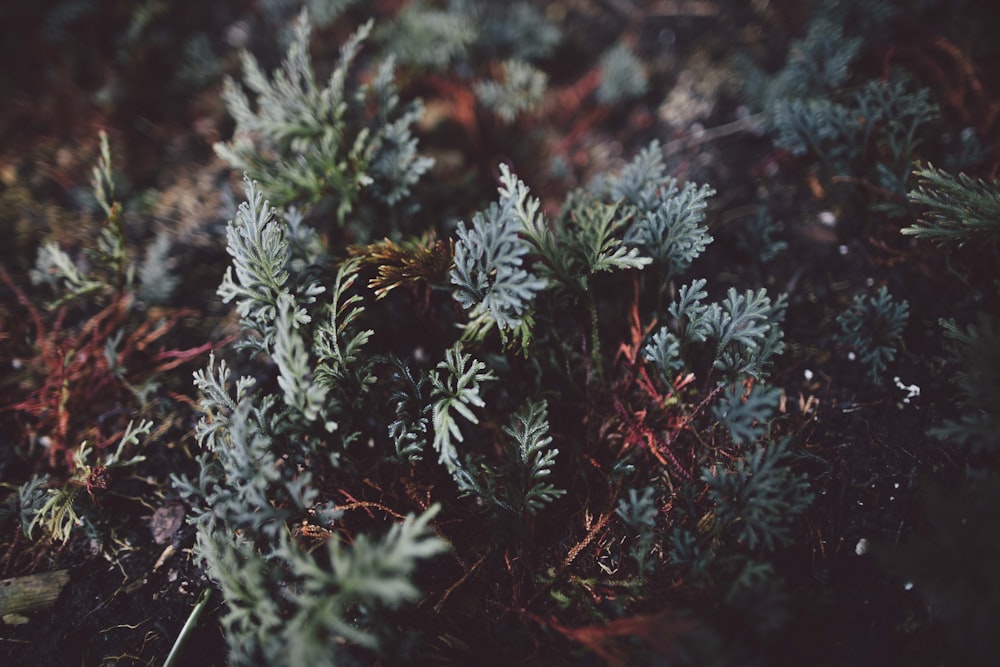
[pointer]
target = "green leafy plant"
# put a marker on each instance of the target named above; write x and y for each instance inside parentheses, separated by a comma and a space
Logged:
(958, 209)
(93, 333)
(57, 511)
(873, 328)
(758, 497)
(638, 511)
(622, 76)
(311, 142)
(520, 89)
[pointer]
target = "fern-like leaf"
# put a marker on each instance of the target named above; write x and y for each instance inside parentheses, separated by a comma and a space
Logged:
(488, 274)
(521, 89)
(295, 376)
(597, 242)
(758, 497)
(529, 432)
(959, 209)
(671, 232)
(338, 344)
(744, 414)
(455, 392)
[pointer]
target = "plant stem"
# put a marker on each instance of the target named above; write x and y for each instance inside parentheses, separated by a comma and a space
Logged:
(189, 625)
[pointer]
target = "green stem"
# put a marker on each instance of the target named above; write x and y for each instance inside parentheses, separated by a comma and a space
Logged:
(189, 625)
(595, 333)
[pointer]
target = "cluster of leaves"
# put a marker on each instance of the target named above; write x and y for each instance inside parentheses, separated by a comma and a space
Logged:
(867, 134)
(958, 211)
(58, 510)
(95, 332)
(267, 455)
(428, 36)
(872, 328)
(314, 143)
(337, 410)
(520, 89)
(743, 333)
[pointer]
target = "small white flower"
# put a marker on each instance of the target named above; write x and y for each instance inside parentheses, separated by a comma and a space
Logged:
(862, 547)
(912, 390)
(808, 374)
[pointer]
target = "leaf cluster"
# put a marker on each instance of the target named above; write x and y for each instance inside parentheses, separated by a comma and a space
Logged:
(743, 332)
(311, 142)
(873, 328)
(958, 209)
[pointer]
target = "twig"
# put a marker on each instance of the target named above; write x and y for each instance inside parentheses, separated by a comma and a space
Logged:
(704, 136)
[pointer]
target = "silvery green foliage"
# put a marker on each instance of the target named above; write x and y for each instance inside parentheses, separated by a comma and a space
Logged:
(671, 232)
(455, 392)
(958, 209)
(639, 181)
(667, 219)
(638, 511)
(258, 276)
(489, 272)
(423, 36)
(338, 342)
(596, 243)
(515, 29)
(370, 574)
(489, 275)
(873, 328)
(110, 268)
(872, 133)
(305, 245)
(31, 497)
(975, 351)
(623, 77)
(243, 485)
(396, 166)
(521, 89)
(746, 414)
(302, 608)
(584, 240)
(743, 332)
(883, 118)
(309, 142)
(55, 268)
(294, 364)
(757, 496)
(532, 460)
(755, 237)
(264, 451)
(664, 351)
(156, 282)
(819, 125)
(894, 117)
(409, 398)
(819, 63)
(746, 329)
(60, 509)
